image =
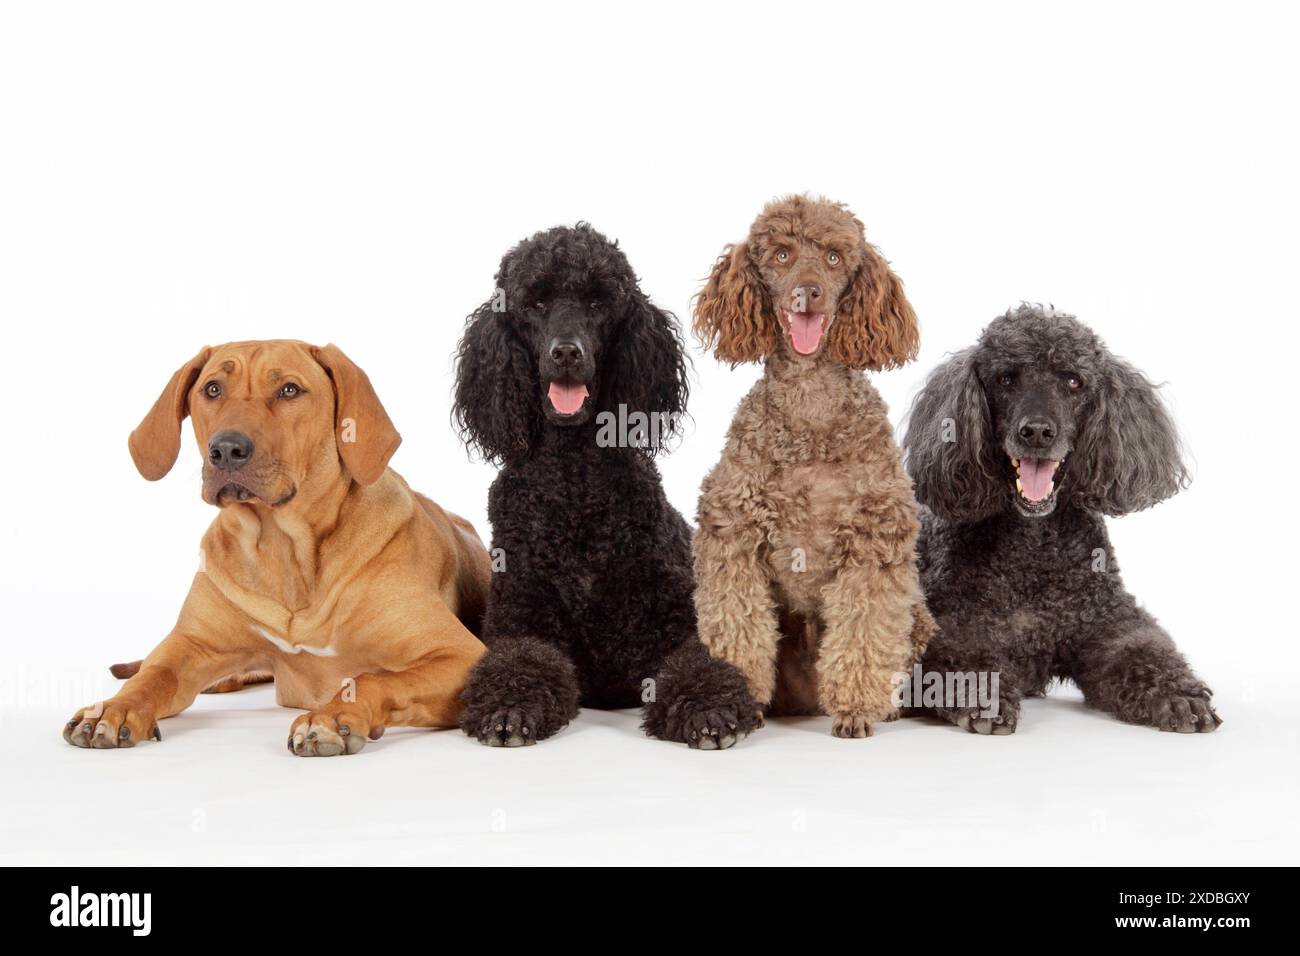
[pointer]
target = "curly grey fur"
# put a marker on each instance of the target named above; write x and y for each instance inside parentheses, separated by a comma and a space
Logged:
(1040, 598)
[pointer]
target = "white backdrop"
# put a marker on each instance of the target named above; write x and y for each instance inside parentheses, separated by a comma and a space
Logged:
(174, 175)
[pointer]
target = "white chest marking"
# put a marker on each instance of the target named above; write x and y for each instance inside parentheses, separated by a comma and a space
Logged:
(288, 648)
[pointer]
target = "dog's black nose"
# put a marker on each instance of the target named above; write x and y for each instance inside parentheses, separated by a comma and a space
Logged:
(1037, 432)
(805, 296)
(565, 352)
(230, 451)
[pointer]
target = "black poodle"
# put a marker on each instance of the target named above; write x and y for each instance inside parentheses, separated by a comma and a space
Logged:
(1018, 447)
(572, 380)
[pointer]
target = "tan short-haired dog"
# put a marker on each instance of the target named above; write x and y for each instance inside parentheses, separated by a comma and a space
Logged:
(323, 568)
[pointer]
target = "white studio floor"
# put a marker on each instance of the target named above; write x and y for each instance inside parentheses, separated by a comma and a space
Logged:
(1071, 786)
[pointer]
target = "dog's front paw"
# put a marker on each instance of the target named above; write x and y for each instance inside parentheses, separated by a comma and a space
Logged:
(700, 701)
(521, 691)
(851, 723)
(111, 725)
(330, 733)
(976, 720)
(511, 727)
(716, 728)
(714, 723)
(1183, 714)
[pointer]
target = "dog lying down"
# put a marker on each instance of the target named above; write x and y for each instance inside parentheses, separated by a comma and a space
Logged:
(1019, 446)
(322, 568)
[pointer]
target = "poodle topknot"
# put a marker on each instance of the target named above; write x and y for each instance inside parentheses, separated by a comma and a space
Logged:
(590, 601)
(1018, 446)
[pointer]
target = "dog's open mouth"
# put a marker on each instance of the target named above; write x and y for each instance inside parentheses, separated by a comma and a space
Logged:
(567, 398)
(1036, 484)
(806, 330)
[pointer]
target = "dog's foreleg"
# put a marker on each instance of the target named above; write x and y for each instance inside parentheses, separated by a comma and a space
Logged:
(734, 607)
(166, 682)
(1131, 668)
(869, 611)
(422, 695)
(969, 651)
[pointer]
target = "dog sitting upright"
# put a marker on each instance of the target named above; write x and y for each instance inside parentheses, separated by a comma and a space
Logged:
(322, 568)
(1019, 446)
(591, 604)
(805, 557)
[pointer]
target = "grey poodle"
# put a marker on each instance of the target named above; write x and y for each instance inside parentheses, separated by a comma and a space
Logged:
(1018, 447)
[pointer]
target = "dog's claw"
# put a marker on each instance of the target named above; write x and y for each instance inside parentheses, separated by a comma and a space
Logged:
(1184, 714)
(323, 734)
(109, 725)
(712, 730)
(851, 724)
(512, 726)
(1001, 725)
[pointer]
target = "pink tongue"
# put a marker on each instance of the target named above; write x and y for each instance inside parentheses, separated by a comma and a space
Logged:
(1036, 477)
(806, 331)
(566, 398)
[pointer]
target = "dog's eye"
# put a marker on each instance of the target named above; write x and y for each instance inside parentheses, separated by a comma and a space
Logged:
(833, 258)
(1004, 379)
(289, 390)
(783, 256)
(1073, 381)
(539, 305)
(212, 390)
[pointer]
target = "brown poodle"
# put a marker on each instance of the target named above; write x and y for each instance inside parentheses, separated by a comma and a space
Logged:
(805, 558)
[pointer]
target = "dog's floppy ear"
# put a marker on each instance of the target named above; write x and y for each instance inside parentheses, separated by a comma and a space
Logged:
(365, 434)
(157, 440)
(875, 327)
(948, 444)
(496, 407)
(647, 370)
(1127, 456)
(732, 316)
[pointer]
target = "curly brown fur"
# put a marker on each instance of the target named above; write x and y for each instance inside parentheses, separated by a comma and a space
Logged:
(592, 605)
(1016, 563)
(805, 555)
(741, 312)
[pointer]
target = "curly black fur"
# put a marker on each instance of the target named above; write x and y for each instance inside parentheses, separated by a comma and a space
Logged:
(591, 597)
(527, 690)
(1030, 588)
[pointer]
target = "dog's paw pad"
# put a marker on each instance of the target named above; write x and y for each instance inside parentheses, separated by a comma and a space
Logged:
(110, 725)
(509, 727)
(321, 734)
(1180, 714)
